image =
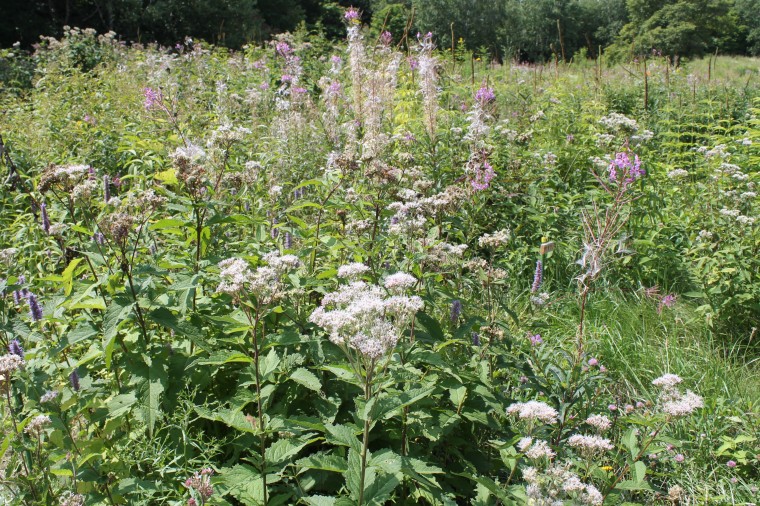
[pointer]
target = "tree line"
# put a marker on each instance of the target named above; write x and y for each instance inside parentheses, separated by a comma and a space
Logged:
(525, 30)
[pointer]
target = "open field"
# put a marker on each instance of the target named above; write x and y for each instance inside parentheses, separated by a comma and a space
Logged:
(329, 275)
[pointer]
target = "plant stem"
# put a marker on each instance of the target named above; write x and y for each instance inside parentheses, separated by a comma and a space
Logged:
(365, 439)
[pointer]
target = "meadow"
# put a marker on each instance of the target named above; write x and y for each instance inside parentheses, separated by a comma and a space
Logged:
(369, 273)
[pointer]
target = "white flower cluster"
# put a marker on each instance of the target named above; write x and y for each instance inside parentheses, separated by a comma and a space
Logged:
(535, 449)
(558, 486)
(590, 445)
(37, 425)
(265, 282)
(678, 174)
(49, 396)
(534, 410)
(8, 255)
(400, 281)
(599, 422)
(360, 316)
(10, 363)
(673, 402)
(616, 122)
(498, 238)
(352, 270)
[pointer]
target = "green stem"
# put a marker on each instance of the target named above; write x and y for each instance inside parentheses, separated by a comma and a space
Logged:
(365, 439)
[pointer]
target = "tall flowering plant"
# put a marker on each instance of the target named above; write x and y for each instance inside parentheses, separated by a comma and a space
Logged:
(366, 322)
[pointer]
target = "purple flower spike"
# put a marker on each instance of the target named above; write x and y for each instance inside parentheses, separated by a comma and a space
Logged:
(35, 311)
(45, 218)
(456, 310)
(74, 379)
(16, 349)
(538, 277)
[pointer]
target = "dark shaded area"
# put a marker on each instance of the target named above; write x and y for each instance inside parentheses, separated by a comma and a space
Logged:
(526, 30)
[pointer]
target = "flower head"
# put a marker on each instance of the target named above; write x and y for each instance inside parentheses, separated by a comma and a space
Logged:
(534, 410)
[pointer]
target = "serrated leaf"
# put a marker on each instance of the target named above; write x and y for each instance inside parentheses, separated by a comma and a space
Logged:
(306, 378)
(149, 390)
(323, 462)
(344, 436)
(283, 450)
(121, 404)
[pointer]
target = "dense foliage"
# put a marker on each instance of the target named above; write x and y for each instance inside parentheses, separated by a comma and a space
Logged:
(333, 275)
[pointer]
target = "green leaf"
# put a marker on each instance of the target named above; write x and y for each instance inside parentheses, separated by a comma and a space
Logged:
(458, 395)
(182, 328)
(633, 485)
(306, 378)
(115, 315)
(323, 462)
(283, 450)
(320, 500)
(268, 364)
(639, 471)
(223, 357)
(232, 418)
(388, 405)
(121, 404)
(344, 436)
(149, 390)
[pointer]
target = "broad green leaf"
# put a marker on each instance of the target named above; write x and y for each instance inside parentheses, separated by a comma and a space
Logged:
(149, 390)
(324, 462)
(306, 378)
(344, 436)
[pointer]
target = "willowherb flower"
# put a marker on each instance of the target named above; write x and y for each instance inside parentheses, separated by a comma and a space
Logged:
(399, 282)
(484, 95)
(599, 422)
(456, 310)
(153, 98)
(352, 15)
(590, 445)
(538, 277)
(534, 410)
(624, 171)
(15, 348)
(37, 425)
(35, 311)
(200, 483)
(49, 396)
(352, 271)
(483, 173)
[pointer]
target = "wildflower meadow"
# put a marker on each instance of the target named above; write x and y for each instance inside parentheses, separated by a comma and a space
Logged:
(376, 272)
